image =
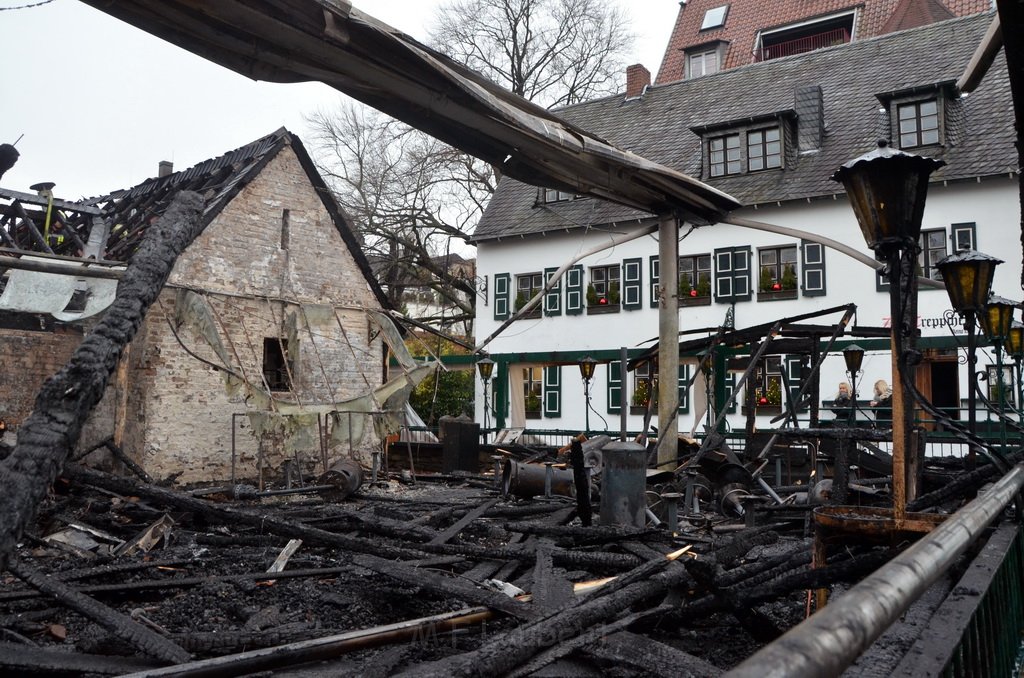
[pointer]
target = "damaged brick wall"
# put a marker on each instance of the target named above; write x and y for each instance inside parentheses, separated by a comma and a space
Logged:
(178, 417)
(28, 359)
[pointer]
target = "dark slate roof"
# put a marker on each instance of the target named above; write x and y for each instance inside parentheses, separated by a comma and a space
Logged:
(853, 78)
(219, 180)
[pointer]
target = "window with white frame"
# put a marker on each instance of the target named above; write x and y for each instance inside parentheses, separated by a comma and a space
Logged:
(528, 285)
(551, 195)
(933, 249)
(702, 62)
(695, 275)
(604, 283)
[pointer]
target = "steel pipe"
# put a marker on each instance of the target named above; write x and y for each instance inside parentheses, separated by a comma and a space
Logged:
(830, 640)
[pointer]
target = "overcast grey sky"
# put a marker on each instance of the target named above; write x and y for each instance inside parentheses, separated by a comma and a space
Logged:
(100, 103)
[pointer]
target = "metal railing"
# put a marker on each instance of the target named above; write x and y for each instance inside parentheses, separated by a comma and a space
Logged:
(836, 36)
(831, 639)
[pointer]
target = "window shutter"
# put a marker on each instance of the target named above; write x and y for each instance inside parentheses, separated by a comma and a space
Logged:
(963, 236)
(574, 290)
(553, 391)
(502, 295)
(684, 391)
(730, 387)
(614, 387)
(655, 271)
(741, 274)
(553, 298)
(632, 284)
(794, 373)
(732, 274)
(813, 268)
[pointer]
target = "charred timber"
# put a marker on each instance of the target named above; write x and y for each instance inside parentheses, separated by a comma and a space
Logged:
(146, 640)
(66, 399)
(237, 516)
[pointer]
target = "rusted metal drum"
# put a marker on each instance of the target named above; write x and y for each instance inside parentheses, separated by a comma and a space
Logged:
(527, 480)
(346, 475)
(623, 483)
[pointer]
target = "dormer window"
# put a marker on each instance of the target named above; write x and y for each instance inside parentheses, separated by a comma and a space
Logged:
(705, 58)
(725, 155)
(764, 149)
(918, 123)
(805, 36)
(551, 195)
(714, 18)
(917, 115)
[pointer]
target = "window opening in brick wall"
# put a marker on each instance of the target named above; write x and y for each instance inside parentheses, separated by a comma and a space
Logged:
(285, 228)
(275, 363)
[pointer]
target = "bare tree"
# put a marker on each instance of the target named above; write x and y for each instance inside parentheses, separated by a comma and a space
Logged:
(412, 196)
(553, 52)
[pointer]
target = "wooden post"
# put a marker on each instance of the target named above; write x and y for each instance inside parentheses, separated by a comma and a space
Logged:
(668, 339)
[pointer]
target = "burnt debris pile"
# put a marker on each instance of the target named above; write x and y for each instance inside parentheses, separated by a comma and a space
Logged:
(525, 569)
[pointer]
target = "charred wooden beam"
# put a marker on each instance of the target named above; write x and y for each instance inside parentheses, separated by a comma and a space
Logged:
(463, 522)
(51, 431)
(448, 586)
(650, 656)
(581, 480)
(509, 650)
(237, 516)
(146, 640)
(25, 661)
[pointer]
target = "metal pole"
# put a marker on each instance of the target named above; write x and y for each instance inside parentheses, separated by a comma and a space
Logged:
(972, 362)
(830, 640)
(586, 405)
(668, 338)
(624, 410)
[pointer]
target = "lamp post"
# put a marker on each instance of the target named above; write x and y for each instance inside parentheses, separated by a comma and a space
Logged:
(996, 321)
(887, 189)
(1015, 347)
(587, 366)
(854, 357)
(968, 277)
(486, 369)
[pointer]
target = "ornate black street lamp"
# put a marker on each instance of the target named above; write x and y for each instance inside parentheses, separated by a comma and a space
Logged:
(1015, 347)
(486, 369)
(968, 276)
(587, 366)
(887, 189)
(854, 357)
(996, 321)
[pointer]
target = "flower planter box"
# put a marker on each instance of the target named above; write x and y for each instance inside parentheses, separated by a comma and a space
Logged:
(764, 410)
(637, 409)
(695, 301)
(776, 295)
(600, 310)
(533, 415)
(533, 313)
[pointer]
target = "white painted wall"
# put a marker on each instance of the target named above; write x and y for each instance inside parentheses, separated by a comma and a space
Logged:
(992, 204)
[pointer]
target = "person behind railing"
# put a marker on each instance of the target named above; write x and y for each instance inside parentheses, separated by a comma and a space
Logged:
(842, 406)
(882, 402)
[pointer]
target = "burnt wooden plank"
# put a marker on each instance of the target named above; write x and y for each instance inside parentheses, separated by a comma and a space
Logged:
(459, 525)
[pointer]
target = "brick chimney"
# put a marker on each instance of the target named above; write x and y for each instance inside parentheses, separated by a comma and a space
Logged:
(165, 168)
(638, 78)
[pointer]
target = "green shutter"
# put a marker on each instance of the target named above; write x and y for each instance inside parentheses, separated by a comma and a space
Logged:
(574, 290)
(614, 388)
(655, 269)
(502, 295)
(553, 391)
(881, 279)
(732, 274)
(794, 372)
(963, 236)
(684, 391)
(632, 284)
(812, 269)
(730, 387)
(553, 298)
